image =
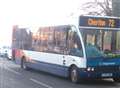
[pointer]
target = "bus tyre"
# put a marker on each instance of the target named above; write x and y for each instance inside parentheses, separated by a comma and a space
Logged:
(74, 74)
(116, 79)
(23, 64)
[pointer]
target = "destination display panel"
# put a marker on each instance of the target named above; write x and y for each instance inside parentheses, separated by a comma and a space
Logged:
(89, 21)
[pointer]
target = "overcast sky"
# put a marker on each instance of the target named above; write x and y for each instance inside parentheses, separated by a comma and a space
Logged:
(34, 13)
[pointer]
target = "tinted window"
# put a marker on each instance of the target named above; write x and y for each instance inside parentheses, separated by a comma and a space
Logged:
(60, 39)
(75, 47)
(50, 39)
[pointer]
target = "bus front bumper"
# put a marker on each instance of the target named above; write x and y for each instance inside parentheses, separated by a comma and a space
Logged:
(98, 74)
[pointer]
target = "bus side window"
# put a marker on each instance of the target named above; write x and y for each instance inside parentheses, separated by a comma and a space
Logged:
(60, 40)
(74, 43)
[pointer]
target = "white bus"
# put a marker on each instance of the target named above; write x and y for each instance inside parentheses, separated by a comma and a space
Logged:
(90, 50)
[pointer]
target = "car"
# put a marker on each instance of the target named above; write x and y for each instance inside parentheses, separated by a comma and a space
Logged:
(6, 52)
(3, 52)
(9, 54)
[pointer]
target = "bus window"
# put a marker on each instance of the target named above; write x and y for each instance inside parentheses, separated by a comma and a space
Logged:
(75, 47)
(60, 40)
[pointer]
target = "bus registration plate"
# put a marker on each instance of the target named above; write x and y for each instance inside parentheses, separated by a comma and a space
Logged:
(107, 74)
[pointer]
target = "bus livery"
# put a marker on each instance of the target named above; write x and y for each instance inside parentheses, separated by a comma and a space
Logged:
(89, 49)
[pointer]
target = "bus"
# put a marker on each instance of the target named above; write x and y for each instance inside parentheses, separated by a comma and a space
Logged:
(89, 49)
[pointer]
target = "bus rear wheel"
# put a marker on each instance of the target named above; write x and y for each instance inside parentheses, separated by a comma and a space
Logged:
(74, 74)
(23, 64)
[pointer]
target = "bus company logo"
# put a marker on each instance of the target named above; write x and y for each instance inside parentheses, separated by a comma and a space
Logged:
(106, 63)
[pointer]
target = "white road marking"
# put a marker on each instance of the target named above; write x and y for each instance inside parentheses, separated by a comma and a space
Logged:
(13, 71)
(41, 83)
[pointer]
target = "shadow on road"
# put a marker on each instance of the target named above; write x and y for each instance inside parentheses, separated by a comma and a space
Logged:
(104, 82)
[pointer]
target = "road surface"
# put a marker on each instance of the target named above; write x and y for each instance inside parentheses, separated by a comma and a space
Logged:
(12, 76)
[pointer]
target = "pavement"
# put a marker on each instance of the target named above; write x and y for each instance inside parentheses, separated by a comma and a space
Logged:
(12, 76)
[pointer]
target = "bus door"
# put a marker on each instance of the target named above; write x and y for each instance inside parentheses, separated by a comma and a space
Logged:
(74, 48)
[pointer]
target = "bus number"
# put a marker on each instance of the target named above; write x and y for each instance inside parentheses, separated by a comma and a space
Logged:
(112, 23)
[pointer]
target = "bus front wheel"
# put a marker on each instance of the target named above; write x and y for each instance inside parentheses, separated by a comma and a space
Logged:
(74, 74)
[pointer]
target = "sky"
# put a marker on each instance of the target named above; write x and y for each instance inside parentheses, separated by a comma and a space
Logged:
(33, 14)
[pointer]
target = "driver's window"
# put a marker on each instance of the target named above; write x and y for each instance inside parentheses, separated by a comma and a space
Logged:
(74, 43)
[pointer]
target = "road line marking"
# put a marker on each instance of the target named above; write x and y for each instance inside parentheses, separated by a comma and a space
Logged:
(41, 83)
(12, 71)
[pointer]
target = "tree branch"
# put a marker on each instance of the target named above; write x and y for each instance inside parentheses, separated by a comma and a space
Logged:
(105, 7)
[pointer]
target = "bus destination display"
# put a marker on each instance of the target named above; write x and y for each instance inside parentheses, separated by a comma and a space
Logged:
(99, 22)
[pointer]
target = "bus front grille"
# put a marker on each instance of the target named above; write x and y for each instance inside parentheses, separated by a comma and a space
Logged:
(107, 69)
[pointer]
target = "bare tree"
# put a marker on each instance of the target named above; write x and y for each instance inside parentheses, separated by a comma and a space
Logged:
(98, 7)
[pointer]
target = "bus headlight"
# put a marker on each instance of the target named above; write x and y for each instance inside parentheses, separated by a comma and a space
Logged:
(90, 69)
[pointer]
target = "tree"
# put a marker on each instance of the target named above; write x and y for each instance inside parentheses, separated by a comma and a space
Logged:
(98, 7)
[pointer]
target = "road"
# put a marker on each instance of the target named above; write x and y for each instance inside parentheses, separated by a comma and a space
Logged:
(12, 76)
